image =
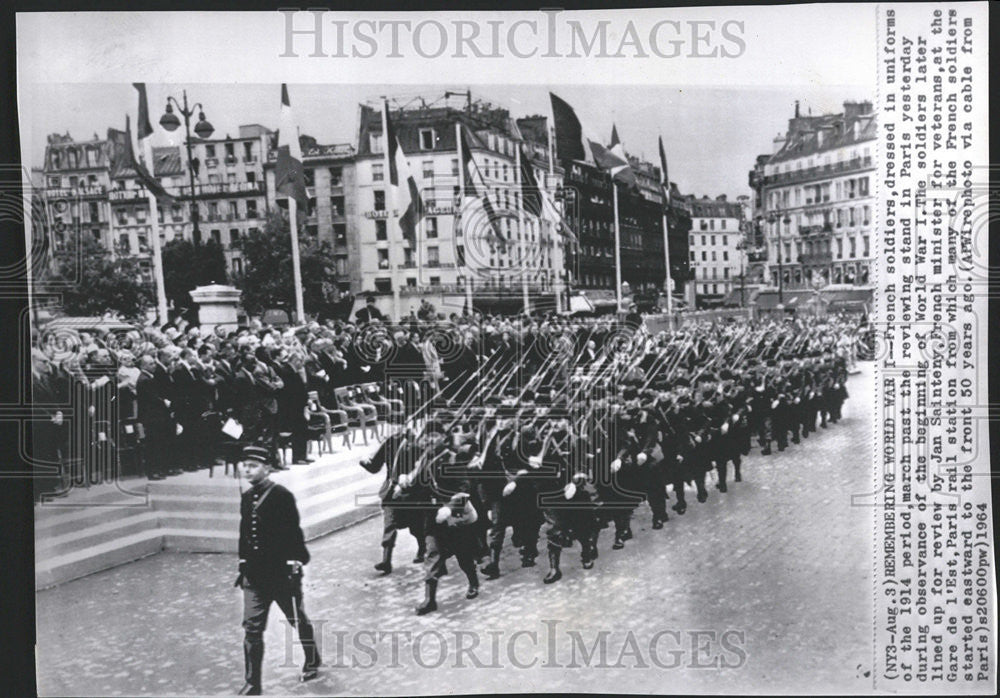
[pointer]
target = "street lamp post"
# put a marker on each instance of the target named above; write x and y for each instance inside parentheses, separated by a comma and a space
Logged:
(203, 129)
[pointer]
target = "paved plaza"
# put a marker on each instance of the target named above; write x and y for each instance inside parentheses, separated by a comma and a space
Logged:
(766, 588)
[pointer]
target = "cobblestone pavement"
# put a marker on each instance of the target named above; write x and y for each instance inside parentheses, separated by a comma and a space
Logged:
(776, 574)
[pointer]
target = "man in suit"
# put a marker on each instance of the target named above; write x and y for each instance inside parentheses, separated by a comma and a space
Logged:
(272, 553)
(154, 414)
(369, 313)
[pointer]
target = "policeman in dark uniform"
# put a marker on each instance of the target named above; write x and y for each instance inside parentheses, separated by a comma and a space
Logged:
(272, 553)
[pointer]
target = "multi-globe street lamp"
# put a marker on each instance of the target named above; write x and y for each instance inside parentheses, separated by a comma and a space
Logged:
(203, 129)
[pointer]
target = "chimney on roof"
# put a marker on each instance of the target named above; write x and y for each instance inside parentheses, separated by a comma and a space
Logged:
(796, 109)
(779, 143)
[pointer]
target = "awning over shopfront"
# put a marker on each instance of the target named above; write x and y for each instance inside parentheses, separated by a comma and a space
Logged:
(835, 297)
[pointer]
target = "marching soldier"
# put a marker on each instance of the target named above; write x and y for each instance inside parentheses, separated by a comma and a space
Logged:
(272, 555)
(398, 454)
(568, 500)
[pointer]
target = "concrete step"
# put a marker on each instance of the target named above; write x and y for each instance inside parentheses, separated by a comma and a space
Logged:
(95, 535)
(73, 519)
(79, 563)
(91, 530)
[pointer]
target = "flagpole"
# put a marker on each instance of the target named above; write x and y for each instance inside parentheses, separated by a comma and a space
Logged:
(665, 187)
(396, 307)
(561, 275)
(618, 250)
(154, 222)
(666, 253)
(520, 232)
(293, 208)
(460, 220)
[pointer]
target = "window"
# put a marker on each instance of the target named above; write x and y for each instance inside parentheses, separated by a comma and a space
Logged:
(431, 227)
(340, 233)
(854, 247)
(865, 215)
(427, 139)
(411, 282)
(375, 142)
(711, 226)
(378, 172)
(725, 273)
(251, 208)
(703, 243)
(715, 288)
(234, 236)
(383, 285)
(713, 237)
(865, 241)
(248, 152)
(124, 244)
(704, 256)
(380, 230)
(234, 212)
(217, 236)
(435, 281)
(460, 255)
(336, 176)
(704, 226)
(454, 167)
(850, 217)
(428, 169)
(95, 216)
(336, 206)
(432, 256)
(692, 256)
(713, 255)
(863, 186)
(723, 223)
(383, 258)
(237, 266)
(840, 248)
(251, 177)
(210, 151)
(140, 215)
(379, 200)
(725, 255)
(54, 182)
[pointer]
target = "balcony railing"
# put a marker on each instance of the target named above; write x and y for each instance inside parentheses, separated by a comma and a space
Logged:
(816, 258)
(817, 171)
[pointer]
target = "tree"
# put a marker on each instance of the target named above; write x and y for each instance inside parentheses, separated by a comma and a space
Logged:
(186, 267)
(267, 278)
(91, 282)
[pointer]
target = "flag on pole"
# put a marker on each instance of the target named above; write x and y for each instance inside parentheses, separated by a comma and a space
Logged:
(530, 191)
(664, 177)
(477, 198)
(289, 179)
(614, 159)
(569, 140)
(407, 195)
(143, 132)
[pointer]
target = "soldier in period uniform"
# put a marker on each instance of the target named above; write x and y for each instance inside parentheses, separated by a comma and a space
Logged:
(272, 554)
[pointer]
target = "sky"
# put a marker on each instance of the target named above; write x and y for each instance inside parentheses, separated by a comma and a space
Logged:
(711, 135)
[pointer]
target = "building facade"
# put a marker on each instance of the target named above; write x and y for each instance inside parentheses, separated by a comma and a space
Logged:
(716, 248)
(814, 198)
(450, 260)
(329, 172)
